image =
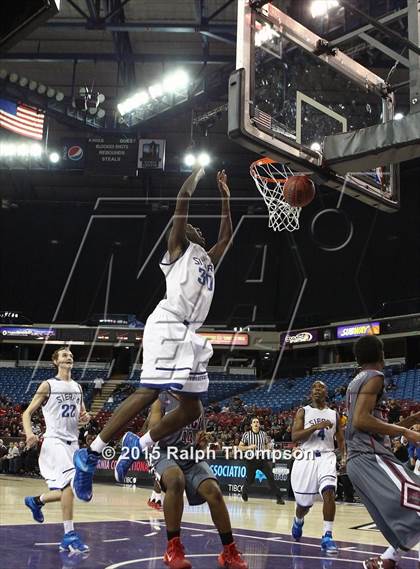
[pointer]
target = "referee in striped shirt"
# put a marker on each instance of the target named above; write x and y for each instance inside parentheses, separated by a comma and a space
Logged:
(258, 440)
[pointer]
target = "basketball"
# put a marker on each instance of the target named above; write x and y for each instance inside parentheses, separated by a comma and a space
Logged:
(299, 191)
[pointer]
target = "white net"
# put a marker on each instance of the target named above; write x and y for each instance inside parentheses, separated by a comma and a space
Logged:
(269, 177)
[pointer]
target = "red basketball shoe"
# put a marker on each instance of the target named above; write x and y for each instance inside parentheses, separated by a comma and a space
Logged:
(231, 558)
(154, 505)
(379, 563)
(174, 556)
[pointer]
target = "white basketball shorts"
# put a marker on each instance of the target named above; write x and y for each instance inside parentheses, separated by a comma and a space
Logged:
(56, 462)
(174, 356)
(311, 477)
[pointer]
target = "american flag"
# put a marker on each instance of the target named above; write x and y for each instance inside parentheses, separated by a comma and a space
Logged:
(22, 119)
(263, 118)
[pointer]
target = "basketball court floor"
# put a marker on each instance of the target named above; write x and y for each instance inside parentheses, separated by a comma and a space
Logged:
(122, 531)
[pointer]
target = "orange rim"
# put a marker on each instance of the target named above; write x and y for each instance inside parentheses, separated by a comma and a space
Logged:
(261, 162)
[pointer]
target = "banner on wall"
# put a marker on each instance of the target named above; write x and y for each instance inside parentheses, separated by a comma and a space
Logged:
(73, 153)
(356, 330)
(230, 474)
(22, 332)
(151, 154)
(112, 155)
(301, 337)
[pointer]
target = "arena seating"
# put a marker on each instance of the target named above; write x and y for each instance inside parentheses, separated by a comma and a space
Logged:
(19, 385)
(222, 385)
(287, 393)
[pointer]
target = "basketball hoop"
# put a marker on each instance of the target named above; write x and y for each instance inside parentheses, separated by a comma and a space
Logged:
(269, 177)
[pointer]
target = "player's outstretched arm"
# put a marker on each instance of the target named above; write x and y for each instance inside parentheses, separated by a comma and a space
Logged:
(410, 421)
(177, 237)
(42, 393)
(226, 230)
(364, 420)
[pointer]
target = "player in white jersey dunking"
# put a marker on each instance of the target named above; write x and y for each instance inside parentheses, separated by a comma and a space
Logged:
(174, 356)
(61, 400)
(316, 426)
(389, 491)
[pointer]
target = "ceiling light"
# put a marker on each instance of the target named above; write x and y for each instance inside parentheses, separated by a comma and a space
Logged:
(189, 159)
(203, 159)
(54, 157)
(316, 146)
(321, 7)
(156, 91)
(398, 116)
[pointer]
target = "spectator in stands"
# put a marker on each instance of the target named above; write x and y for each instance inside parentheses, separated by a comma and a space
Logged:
(394, 412)
(400, 449)
(13, 459)
(5, 461)
(97, 386)
(287, 436)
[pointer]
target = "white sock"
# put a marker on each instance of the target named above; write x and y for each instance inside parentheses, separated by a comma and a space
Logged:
(392, 554)
(146, 441)
(328, 526)
(98, 445)
(299, 520)
(68, 526)
(41, 498)
(153, 496)
(158, 497)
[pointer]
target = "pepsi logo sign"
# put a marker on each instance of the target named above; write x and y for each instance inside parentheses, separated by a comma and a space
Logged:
(75, 153)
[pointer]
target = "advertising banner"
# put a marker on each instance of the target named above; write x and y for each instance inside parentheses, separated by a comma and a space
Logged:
(231, 475)
(113, 155)
(300, 337)
(73, 153)
(151, 154)
(356, 330)
(22, 332)
(226, 338)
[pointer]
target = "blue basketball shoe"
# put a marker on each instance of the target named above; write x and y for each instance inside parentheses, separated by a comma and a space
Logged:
(35, 509)
(71, 542)
(297, 529)
(129, 443)
(85, 463)
(328, 544)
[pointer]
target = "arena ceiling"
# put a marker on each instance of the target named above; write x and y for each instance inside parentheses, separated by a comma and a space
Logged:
(120, 45)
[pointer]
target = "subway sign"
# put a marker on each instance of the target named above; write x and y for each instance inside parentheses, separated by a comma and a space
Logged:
(357, 330)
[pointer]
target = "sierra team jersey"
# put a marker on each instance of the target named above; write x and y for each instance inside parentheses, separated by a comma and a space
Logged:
(185, 437)
(322, 440)
(189, 285)
(62, 410)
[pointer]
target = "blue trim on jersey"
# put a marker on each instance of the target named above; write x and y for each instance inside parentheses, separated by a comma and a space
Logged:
(328, 476)
(161, 386)
(172, 368)
(177, 259)
(306, 493)
(198, 373)
(68, 470)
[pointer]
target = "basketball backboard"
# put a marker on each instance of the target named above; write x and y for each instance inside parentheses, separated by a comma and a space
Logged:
(291, 91)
